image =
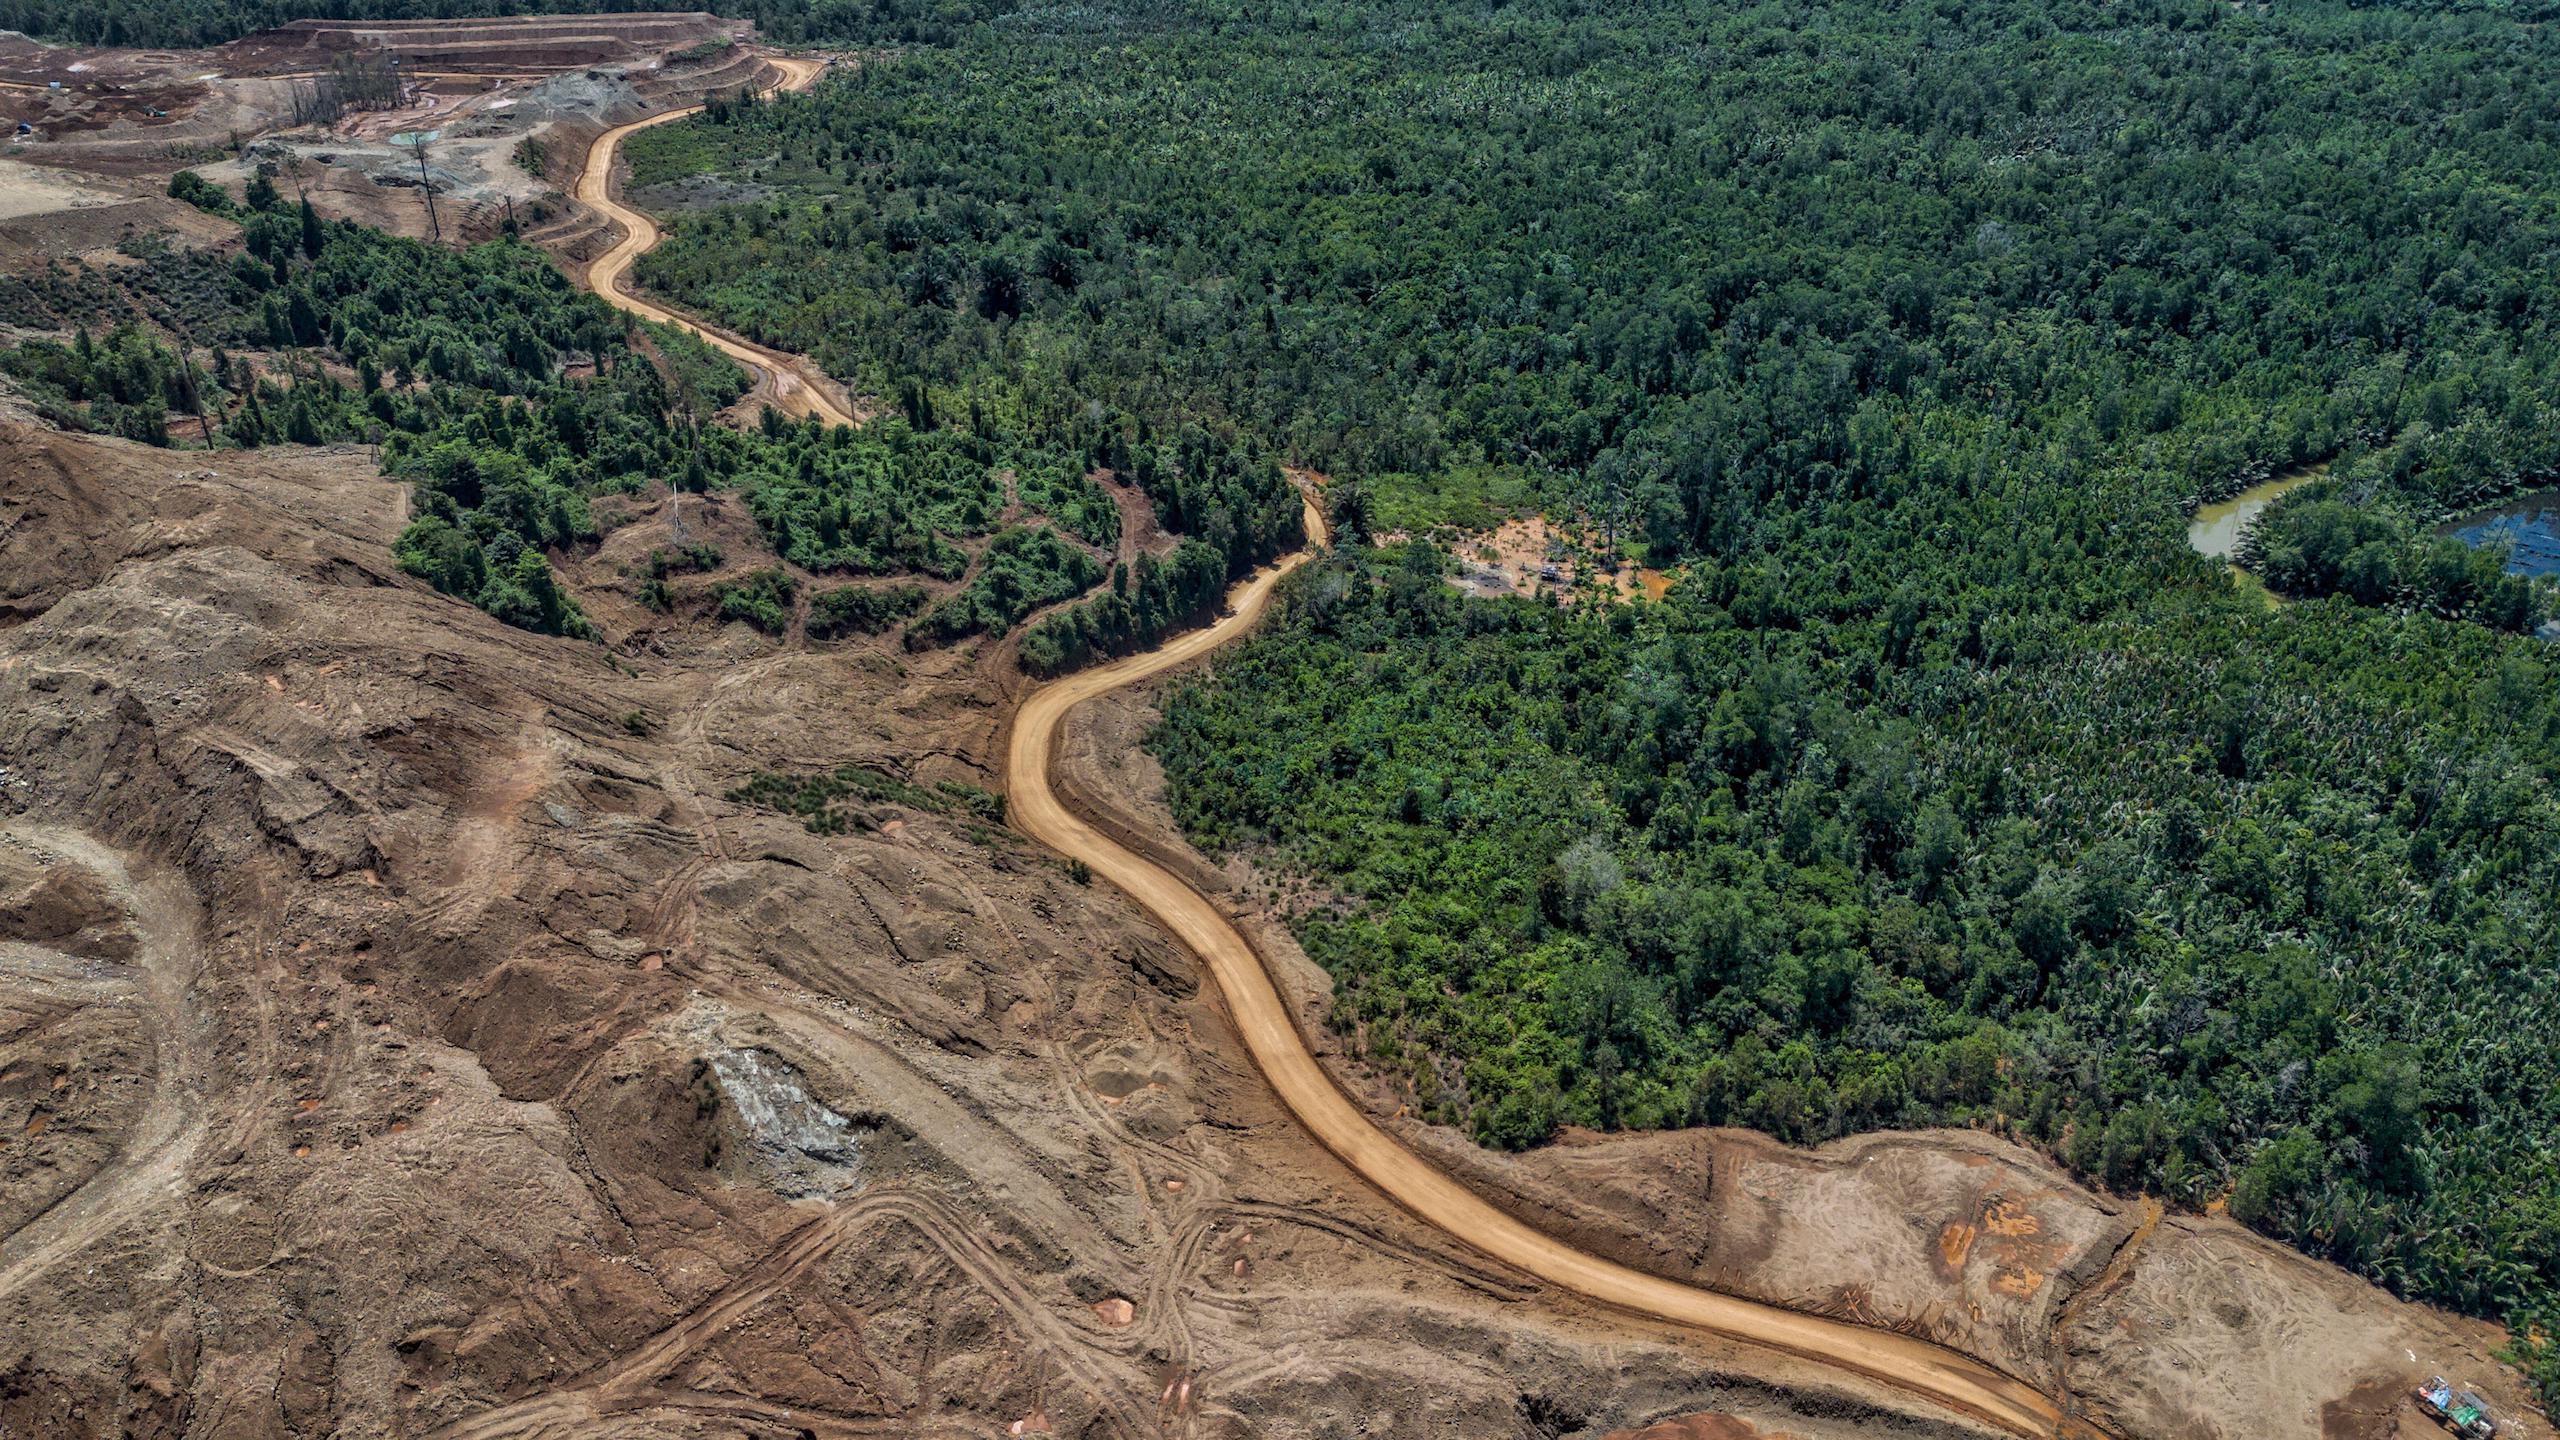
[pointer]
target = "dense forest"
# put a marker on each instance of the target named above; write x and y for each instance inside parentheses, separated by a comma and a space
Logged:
(1681, 268)
(1946, 786)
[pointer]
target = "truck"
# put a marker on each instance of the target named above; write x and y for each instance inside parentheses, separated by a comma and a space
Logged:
(2461, 1411)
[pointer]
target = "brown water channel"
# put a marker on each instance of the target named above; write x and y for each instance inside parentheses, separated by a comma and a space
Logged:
(2216, 529)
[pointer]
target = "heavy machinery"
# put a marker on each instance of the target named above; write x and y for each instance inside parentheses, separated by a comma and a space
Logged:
(2461, 1411)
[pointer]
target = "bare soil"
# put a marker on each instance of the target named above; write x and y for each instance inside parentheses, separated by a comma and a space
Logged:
(529, 43)
(1532, 555)
(113, 125)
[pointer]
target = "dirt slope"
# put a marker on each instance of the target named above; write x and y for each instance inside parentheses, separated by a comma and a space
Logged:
(521, 1082)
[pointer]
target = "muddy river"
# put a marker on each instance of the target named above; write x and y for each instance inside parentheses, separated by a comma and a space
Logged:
(2215, 530)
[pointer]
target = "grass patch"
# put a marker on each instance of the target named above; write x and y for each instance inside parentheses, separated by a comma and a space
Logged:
(1470, 497)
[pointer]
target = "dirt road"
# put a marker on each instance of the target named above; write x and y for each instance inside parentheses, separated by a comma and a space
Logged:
(799, 388)
(1909, 1365)
(1914, 1367)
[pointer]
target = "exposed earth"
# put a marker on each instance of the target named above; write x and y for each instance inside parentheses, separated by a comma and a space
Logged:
(1530, 556)
(403, 1035)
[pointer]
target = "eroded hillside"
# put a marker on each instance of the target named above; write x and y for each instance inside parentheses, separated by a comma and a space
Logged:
(397, 1040)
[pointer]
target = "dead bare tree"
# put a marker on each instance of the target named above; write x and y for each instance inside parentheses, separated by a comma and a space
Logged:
(426, 182)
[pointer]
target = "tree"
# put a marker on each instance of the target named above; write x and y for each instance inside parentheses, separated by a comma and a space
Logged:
(203, 194)
(2375, 1099)
(1937, 843)
(999, 287)
(1056, 262)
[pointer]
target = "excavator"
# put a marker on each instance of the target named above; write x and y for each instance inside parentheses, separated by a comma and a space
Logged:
(2461, 1411)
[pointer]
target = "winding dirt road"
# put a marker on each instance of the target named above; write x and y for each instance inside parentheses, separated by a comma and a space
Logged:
(1912, 1367)
(800, 389)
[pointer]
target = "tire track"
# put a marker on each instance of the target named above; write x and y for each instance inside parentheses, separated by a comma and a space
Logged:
(584, 1400)
(151, 1168)
(1913, 1367)
(633, 1382)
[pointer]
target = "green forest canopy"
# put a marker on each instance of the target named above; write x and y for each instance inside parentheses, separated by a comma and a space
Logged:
(1947, 786)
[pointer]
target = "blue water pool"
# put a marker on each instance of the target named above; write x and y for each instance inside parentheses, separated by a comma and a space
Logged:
(2532, 522)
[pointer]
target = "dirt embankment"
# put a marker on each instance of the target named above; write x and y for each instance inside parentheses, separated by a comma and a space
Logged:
(527, 44)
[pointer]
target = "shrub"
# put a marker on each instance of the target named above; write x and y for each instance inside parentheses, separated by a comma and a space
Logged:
(762, 599)
(855, 609)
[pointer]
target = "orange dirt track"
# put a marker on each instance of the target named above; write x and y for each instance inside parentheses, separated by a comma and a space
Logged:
(1914, 1367)
(799, 389)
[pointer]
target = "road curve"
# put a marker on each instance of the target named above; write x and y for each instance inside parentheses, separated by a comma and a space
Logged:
(1913, 1367)
(799, 389)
